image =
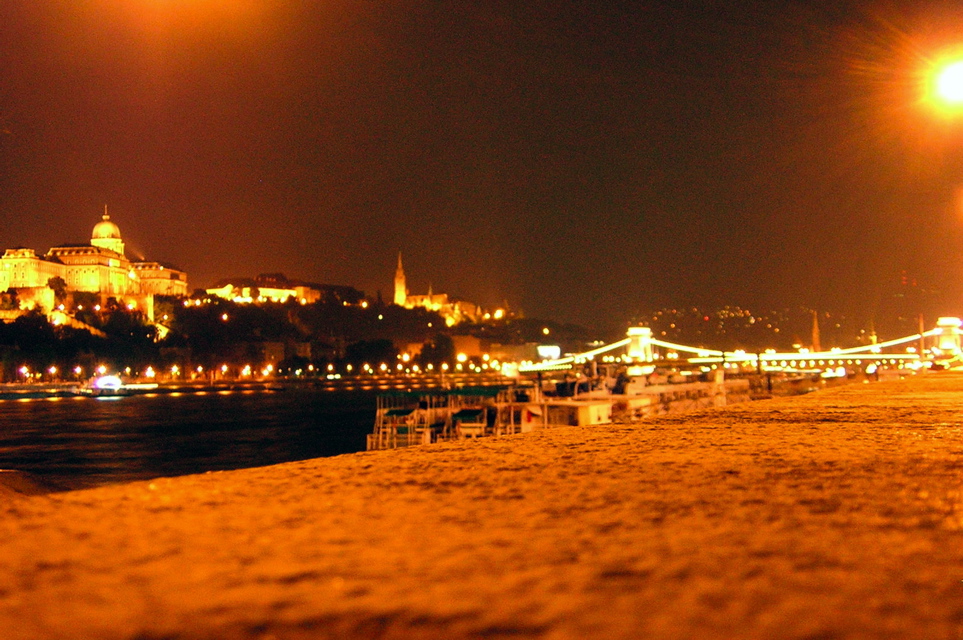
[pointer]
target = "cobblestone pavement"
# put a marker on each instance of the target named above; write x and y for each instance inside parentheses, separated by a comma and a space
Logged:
(833, 515)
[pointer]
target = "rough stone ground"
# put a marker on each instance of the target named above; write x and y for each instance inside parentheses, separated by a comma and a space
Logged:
(834, 515)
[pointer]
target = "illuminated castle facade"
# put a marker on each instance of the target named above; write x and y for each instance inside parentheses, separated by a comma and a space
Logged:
(453, 311)
(99, 267)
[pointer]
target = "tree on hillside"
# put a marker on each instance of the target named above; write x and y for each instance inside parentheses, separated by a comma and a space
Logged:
(59, 286)
(371, 352)
(438, 349)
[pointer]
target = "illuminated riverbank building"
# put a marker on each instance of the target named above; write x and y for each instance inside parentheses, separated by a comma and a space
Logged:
(99, 267)
(452, 310)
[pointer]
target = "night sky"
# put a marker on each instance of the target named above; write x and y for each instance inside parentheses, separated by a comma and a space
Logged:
(580, 160)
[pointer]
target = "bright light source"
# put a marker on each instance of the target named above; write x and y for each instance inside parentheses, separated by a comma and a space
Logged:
(949, 84)
(108, 382)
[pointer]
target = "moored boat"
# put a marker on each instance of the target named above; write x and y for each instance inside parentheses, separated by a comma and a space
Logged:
(407, 418)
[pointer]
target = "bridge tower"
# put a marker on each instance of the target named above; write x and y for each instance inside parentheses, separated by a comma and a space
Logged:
(949, 339)
(640, 344)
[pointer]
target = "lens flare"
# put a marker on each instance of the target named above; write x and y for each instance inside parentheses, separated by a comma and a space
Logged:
(949, 84)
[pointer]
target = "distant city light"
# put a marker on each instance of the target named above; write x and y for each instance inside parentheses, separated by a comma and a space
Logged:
(548, 351)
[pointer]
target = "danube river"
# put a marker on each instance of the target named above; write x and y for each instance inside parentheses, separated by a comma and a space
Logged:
(79, 442)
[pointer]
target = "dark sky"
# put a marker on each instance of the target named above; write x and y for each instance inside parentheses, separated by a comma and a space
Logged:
(581, 160)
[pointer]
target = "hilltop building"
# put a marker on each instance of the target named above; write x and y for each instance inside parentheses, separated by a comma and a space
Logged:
(99, 267)
(275, 287)
(452, 310)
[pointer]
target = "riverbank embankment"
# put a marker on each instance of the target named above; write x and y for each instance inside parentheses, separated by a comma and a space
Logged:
(837, 514)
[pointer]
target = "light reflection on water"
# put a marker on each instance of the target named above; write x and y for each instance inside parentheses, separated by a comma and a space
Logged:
(93, 441)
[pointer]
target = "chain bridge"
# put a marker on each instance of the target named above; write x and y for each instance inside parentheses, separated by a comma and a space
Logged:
(941, 344)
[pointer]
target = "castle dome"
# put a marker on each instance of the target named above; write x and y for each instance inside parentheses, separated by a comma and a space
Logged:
(106, 230)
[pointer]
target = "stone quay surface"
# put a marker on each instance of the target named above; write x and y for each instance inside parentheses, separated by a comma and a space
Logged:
(833, 515)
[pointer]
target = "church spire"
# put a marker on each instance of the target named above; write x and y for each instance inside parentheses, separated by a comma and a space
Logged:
(401, 288)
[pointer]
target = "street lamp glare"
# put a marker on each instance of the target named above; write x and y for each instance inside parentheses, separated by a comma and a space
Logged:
(949, 84)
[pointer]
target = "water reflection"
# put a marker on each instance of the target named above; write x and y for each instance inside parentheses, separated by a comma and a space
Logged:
(93, 441)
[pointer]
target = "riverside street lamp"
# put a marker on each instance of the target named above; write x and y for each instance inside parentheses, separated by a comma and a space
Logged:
(949, 84)
(944, 86)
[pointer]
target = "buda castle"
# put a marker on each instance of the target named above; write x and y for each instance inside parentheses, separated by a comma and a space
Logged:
(100, 267)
